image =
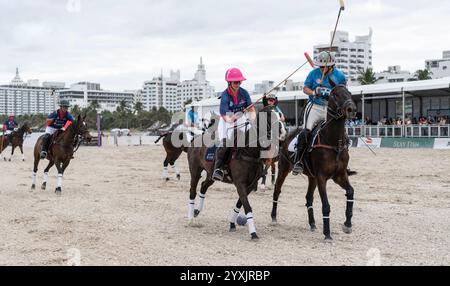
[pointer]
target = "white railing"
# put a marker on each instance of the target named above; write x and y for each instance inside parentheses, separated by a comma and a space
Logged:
(426, 131)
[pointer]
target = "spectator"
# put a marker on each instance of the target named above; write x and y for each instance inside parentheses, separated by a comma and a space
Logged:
(414, 121)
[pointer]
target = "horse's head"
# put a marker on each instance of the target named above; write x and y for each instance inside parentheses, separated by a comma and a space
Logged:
(26, 128)
(81, 128)
(341, 102)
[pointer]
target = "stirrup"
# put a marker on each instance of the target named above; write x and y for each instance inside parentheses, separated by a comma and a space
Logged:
(218, 175)
(298, 169)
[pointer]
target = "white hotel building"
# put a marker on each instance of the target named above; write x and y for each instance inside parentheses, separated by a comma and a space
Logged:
(21, 98)
(351, 57)
(84, 93)
(161, 92)
(171, 94)
(440, 67)
(195, 89)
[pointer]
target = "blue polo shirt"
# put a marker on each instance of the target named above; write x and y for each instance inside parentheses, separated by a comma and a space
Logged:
(230, 104)
(60, 120)
(10, 125)
(313, 81)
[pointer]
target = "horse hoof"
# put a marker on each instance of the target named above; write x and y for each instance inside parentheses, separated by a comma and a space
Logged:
(9, 160)
(167, 179)
(33, 186)
(23, 160)
(346, 229)
(254, 236)
(328, 239)
(313, 227)
(44, 186)
(58, 191)
(274, 220)
(4, 159)
(178, 177)
(196, 213)
(232, 227)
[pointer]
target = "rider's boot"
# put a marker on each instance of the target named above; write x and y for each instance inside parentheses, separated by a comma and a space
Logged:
(45, 145)
(218, 174)
(302, 143)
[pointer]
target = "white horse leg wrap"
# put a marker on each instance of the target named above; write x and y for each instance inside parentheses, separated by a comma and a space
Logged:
(234, 214)
(34, 178)
(45, 177)
(191, 209)
(165, 173)
(251, 223)
(175, 169)
(201, 203)
(59, 181)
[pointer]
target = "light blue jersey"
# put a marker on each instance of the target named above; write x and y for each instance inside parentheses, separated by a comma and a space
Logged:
(313, 81)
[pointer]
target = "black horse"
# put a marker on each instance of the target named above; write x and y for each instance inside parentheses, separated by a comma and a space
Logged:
(244, 170)
(16, 139)
(328, 159)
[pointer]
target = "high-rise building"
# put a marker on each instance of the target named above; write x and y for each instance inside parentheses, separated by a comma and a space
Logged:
(394, 74)
(351, 57)
(20, 98)
(85, 93)
(441, 67)
(161, 92)
(263, 87)
(196, 89)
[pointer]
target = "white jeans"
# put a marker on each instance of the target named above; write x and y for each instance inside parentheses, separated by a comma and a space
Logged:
(226, 129)
(50, 130)
(316, 114)
(7, 132)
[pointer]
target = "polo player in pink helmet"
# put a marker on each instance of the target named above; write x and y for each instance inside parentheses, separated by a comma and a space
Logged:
(234, 100)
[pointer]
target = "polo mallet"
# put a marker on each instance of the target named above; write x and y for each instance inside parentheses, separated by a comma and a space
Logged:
(310, 61)
(341, 8)
(367, 145)
(278, 85)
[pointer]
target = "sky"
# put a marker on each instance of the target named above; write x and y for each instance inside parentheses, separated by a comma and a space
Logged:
(122, 43)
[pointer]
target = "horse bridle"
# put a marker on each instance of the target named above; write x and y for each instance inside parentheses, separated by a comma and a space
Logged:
(339, 112)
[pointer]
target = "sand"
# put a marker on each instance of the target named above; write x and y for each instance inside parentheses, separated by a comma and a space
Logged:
(116, 210)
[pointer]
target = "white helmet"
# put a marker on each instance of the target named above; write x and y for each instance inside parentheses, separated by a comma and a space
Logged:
(325, 59)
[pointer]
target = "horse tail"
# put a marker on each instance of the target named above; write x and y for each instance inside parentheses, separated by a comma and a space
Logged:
(351, 173)
(160, 137)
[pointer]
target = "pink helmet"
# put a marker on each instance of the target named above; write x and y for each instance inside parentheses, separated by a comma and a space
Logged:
(234, 74)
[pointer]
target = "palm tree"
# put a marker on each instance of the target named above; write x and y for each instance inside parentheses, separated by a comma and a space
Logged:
(366, 77)
(138, 107)
(423, 74)
(94, 105)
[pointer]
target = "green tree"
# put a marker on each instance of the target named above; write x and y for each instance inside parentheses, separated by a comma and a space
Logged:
(138, 107)
(366, 77)
(423, 74)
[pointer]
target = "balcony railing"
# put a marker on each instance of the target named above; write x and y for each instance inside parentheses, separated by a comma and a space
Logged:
(425, 131)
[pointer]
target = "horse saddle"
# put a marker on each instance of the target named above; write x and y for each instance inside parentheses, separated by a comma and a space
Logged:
(314, 133)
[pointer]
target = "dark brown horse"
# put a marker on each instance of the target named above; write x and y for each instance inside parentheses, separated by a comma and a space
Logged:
(327, 160)
(17, 138)
(244, 171)
(60, 151)
(174, 152)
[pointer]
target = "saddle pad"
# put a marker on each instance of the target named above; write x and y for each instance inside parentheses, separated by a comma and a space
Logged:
(211, 154)
(293, 145)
